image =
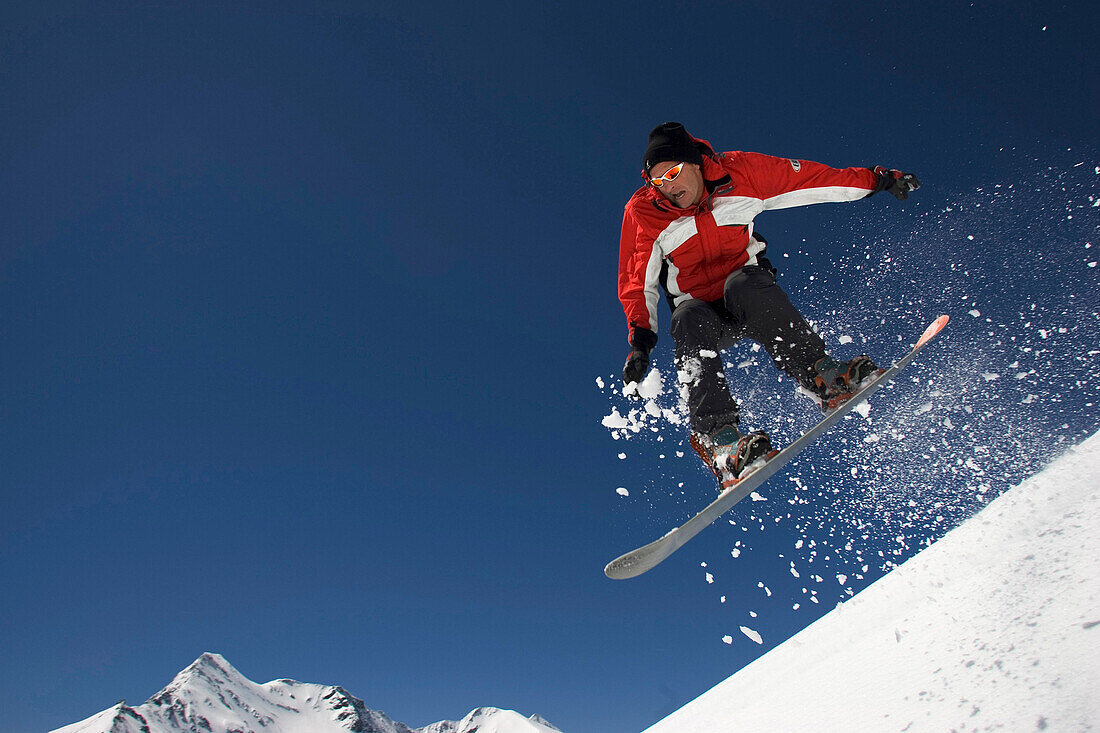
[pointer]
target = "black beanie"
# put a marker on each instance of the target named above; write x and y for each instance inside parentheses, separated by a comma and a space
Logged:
(669, 141)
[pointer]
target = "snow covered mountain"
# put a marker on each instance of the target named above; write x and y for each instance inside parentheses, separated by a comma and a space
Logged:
(492, 720)
(994, 627)
(212, 696)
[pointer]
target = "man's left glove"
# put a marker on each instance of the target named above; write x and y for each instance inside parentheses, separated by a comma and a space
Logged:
(899, 184)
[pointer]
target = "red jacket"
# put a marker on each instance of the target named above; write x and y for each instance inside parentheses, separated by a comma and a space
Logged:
(691, 252)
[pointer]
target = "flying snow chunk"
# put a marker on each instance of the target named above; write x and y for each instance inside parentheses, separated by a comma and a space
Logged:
(845, 339)
(727, 639)
(752, 634)
(615, 420)
(990, 376)
(652, 386)
(975, 312)
(622, 492)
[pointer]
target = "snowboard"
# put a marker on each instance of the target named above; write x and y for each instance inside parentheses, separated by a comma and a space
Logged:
(647, 557)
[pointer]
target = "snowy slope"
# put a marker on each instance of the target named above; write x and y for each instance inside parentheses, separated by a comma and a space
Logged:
(212, 696)
(994, 627)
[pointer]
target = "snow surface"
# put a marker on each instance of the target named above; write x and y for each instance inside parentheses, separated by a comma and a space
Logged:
(212, 696)
(994, 627)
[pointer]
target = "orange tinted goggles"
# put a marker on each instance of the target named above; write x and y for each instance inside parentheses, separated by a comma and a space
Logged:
(669, 176)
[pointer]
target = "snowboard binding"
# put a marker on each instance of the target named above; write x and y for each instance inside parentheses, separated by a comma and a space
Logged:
(729, 454)
(836, 382)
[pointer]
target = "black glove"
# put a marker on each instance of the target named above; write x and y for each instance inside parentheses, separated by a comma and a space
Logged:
(637, 364)
(895, 182)
(642, 341)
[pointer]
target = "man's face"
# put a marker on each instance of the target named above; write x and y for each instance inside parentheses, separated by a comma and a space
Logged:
(687, 189)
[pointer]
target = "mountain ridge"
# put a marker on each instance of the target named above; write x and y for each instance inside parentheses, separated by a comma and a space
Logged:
(210, 694)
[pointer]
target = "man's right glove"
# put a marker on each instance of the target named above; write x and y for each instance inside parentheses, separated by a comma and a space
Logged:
(895, 182)
(642, 341)
(637, 364)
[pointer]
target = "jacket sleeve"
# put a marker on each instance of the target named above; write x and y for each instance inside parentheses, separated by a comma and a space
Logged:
(639, 276)
(785, 182)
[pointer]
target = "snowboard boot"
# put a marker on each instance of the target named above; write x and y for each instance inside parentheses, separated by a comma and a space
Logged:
(836, 381)
(728, 453)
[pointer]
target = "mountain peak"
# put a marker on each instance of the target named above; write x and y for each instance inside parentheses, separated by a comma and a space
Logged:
(204, 677)
(120, 718)
(211, 663)
(492, 720)
(211, 658)
(211, 695)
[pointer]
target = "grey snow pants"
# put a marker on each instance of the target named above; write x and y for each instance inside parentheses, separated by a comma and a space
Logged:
(753, 307)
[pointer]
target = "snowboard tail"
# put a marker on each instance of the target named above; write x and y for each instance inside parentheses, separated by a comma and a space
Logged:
(645, 558)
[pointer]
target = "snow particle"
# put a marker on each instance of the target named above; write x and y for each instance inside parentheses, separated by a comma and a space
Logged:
(752, 634)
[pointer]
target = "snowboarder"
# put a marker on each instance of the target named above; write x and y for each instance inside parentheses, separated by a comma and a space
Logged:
(690, 230)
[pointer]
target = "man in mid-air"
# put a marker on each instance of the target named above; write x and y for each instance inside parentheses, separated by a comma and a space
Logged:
(689, 230)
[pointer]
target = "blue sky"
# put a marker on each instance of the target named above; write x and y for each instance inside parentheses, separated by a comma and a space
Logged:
(302, 308)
